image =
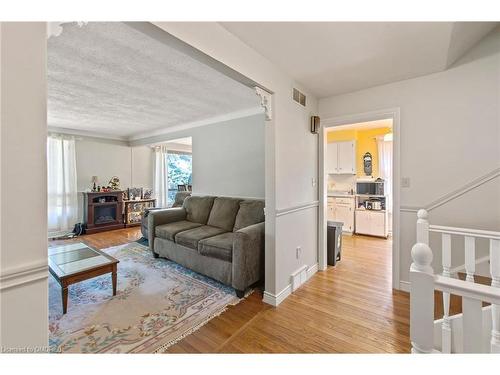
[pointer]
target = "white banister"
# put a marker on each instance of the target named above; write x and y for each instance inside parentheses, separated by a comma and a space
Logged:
(446, 325)
(495, 282)
(421, 293)
(477, 233)
(422, 227)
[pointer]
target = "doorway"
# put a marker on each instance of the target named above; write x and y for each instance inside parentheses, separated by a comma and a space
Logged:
(361, 152)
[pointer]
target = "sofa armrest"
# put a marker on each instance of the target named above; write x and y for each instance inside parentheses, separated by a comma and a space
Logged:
(160, 217)
(248, 256)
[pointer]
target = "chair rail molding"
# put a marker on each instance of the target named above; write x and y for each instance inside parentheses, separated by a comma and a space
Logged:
(299, 207)
(17, 276)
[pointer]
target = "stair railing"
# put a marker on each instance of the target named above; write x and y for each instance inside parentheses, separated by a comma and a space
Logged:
(424, 282)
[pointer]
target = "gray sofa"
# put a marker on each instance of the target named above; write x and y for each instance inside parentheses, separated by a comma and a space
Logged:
(220, 237)
(179, 200)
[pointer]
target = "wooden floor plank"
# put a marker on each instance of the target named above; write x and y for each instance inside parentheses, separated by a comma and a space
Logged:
(350, 308)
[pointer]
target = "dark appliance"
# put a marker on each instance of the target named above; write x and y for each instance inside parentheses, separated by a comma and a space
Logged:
(370, 187)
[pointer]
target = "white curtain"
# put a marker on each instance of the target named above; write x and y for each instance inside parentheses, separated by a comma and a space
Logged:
(61, 184)
(160, 176)
(385, 171)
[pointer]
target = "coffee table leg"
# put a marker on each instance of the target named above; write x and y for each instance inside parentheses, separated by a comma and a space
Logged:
(113, 279)
(64, 294)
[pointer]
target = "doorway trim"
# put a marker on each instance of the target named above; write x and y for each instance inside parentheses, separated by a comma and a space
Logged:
(328, 124)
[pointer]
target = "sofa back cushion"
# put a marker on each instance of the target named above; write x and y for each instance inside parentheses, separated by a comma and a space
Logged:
(179, 198)
(198, 208)
(250, 212)
(224, 212)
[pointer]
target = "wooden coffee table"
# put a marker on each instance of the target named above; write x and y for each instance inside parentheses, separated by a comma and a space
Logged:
(77, 262)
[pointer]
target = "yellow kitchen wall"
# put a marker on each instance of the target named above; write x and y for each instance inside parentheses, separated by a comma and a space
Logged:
(365, 142)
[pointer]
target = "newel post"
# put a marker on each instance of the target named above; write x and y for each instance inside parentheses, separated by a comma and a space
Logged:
(422, 290)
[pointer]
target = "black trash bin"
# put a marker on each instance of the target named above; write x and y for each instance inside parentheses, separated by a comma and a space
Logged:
(334, 242)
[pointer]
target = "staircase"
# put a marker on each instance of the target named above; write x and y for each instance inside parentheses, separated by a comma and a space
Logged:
(477, 328)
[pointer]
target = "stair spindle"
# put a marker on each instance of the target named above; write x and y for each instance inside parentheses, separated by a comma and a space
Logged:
(446, 325)
(470, 258)
(495, 282)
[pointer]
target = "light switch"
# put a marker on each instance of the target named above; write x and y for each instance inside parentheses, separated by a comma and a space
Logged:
(405, 182)
(313, 181)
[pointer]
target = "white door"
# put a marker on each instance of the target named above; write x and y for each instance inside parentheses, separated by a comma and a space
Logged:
(331, 158)
(346, 158)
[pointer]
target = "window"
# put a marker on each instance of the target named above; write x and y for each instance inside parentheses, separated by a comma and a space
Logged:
(180, 167)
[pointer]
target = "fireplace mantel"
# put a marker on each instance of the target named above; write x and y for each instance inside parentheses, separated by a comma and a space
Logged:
(103, 210)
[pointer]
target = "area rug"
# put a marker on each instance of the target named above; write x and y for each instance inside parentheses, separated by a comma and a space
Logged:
(158, 302)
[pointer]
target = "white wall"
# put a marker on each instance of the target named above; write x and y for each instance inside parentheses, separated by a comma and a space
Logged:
(449, 137)
(291, 150)
(23, 191)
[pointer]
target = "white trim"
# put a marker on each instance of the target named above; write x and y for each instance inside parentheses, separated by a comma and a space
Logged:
(312, 270)
(478, 233)
(195, 124)
(404, 286)
(390, 113)
(299, 207)
(86, 133)
(18, 276)
(276, 299)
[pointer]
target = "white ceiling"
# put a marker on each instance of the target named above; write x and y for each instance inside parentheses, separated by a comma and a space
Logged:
(331, 58)
(109, 79)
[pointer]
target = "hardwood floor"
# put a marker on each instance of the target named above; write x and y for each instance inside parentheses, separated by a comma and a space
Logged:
(347, 309)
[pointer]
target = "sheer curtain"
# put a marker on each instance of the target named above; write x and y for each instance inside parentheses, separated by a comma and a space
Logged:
(385, 171)
(61, 184)
(160, 176)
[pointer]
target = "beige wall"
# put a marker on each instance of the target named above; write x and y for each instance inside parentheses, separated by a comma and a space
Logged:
(23, 188)
(106, 158)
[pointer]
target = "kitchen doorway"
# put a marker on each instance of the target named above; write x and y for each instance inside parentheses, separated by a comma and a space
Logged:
(359, 165)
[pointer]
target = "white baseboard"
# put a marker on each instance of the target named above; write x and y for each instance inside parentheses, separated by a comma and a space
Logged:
(276, 299)
(404, 286)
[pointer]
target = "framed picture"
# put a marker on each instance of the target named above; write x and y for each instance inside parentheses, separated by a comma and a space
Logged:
(147, 193)
(134, 193)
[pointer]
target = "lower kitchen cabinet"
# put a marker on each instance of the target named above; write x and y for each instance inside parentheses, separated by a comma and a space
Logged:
(342, 209)
(372, 223)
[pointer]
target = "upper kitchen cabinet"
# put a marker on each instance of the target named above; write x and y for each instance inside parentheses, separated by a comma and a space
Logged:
(341, 158)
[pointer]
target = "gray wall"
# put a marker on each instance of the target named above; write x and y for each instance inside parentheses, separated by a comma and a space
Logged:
(228, 157)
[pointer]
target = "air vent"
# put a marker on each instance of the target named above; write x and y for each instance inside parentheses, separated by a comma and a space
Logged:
(299, 97)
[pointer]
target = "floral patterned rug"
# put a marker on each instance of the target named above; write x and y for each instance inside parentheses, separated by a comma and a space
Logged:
(158, 302)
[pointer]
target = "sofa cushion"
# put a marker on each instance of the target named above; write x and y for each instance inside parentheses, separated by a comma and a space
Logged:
(179, 198)
(220, 246)
(191, 237)
(223, 213)
(168, 231)
(198, 208)
(250, 212)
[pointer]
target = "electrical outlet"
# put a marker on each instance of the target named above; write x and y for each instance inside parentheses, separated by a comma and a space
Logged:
(298, 250)
(313, 181)
(405, 182)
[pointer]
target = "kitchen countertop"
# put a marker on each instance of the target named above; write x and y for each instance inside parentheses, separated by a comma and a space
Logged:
(340, 194)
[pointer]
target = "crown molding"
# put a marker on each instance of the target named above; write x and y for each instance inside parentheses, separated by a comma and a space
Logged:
(87, 134)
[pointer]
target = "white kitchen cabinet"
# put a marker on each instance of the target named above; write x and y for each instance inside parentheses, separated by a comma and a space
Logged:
(331, 162)
(372, 223)
(342, 209)
(341, 158)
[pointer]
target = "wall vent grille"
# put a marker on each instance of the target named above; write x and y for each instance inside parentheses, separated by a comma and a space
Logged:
(299, 97)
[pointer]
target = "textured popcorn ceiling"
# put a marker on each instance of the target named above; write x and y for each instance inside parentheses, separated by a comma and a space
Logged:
(110, 79)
